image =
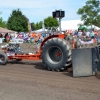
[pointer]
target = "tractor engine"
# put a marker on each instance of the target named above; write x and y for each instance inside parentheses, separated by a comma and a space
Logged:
(13, 48)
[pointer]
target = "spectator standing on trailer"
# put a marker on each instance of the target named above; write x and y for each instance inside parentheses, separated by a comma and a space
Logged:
(1, 36)
(88, 33)
(6, 37)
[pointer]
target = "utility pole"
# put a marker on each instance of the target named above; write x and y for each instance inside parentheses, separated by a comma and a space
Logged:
(59, 24)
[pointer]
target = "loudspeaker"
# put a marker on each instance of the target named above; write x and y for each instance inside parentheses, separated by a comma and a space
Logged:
(83, 61)
(62, 13)
(58, 14)
(54, 14)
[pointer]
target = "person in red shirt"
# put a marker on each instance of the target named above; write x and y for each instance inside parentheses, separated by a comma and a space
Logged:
(96, 32)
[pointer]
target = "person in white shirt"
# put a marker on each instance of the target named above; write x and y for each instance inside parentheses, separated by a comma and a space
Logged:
(80, 33)
(87, 33)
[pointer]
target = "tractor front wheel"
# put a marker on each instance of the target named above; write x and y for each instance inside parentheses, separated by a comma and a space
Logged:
(3, 59)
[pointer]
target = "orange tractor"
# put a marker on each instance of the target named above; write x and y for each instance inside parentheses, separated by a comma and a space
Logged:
(55, 52)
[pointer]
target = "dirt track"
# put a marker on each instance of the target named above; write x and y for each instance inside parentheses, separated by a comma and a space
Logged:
(30, 81)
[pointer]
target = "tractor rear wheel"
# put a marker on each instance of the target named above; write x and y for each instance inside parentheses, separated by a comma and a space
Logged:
(56, 53)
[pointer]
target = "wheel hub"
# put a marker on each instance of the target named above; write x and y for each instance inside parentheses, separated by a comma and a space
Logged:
(1, 58)
(58, 54)
(54, 54)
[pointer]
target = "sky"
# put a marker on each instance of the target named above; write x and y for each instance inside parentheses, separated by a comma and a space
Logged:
(38, 10)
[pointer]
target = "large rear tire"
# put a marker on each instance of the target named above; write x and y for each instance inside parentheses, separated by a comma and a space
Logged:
(55, 54)
(3, 59)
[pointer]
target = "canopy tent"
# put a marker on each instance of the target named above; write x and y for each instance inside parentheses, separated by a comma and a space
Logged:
(70, 24)
(40, 30)
(94, 27)
(4, 30)
(74, 25)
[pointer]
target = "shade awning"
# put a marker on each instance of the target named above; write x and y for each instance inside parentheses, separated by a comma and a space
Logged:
(4, 30)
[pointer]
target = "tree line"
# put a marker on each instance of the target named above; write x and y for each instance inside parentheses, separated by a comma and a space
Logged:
(90, 14)
(20, 23)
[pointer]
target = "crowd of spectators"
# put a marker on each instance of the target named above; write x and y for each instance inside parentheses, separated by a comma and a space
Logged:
(83, 35)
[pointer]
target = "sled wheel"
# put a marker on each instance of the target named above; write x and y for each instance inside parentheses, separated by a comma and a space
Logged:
(55, 53)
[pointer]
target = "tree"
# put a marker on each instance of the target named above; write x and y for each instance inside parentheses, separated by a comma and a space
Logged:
(2, 23)
(40, 25)
(37, 26)
(17, 21)
(51, 22)
(33, 26)
(90, 13)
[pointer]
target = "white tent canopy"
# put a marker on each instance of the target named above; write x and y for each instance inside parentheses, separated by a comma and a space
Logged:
(95, 27)
(40, 30)
(73, 25)
(70, 24)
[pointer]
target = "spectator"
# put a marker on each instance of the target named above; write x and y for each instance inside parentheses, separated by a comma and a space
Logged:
(76, 32)
(84, 33)
(1, 36)
(6, 37)
(98, 37)
(80, 33)
(95, 32)
(87, 33)
(92, 34)
(20, 36)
